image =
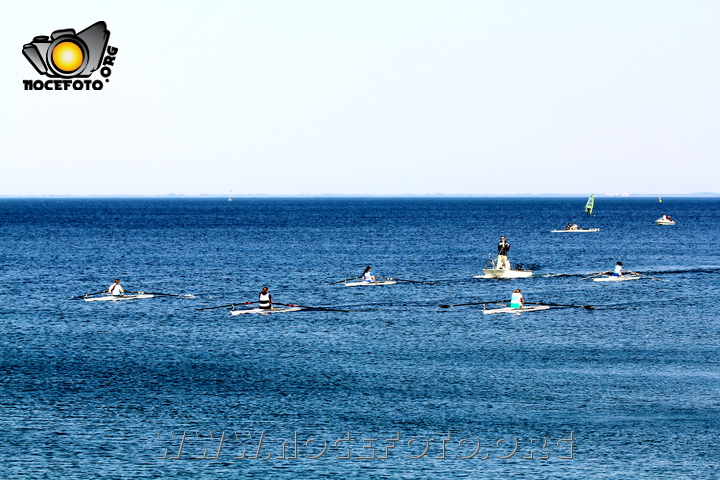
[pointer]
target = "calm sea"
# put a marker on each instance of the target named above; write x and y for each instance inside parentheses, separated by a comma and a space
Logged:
(397, 388)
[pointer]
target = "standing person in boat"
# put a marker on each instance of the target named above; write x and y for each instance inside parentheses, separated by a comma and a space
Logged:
(367, 275)
(618, 270)
(265, 299)
(517, 299)
(116, 289)
(503, 249)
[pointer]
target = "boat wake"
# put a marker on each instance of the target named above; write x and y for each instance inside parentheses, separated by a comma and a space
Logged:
(697, 269)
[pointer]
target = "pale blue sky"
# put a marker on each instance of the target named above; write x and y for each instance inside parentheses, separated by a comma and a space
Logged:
(391, 97)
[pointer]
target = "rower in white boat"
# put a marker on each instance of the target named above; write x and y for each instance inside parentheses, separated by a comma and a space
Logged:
(115, 288)
(367, 275)
(517, 305)
(618, 274)
(368, 279)
(573, 228)
(517, 299)
(618, 270)
(265, 299)
(615, 274)
(115, 292)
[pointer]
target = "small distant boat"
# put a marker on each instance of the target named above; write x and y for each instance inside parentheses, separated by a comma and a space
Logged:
(590, 204)
(363, 283)
(575, 230)
(660, 199)
(265, 310)
(494, 272)
(515, 310)
(229, 199)
(115, 298)
(616, 278)
(665, 220)
(504, 273)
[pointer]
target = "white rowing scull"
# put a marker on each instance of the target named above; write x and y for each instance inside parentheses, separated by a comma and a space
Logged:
(265, 310)
(114, 298)
(576, 230)
(376, 283)
(615, 278)
(515, 310)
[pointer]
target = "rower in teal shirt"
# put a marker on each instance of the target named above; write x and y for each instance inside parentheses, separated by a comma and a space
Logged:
(516, 299)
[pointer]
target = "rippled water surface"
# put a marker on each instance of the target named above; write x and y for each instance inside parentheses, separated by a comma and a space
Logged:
(155, 388)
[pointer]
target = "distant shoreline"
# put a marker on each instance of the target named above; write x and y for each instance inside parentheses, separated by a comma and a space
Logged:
(328, 195)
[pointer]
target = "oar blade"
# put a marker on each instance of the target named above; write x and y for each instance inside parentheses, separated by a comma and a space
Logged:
(589, 307)
(226, 306)
(411, 281)
(311, 308)
(90, 294)
(345, 280)
(473, 303)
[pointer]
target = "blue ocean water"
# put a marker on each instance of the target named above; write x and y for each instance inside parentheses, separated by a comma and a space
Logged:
(155, 388)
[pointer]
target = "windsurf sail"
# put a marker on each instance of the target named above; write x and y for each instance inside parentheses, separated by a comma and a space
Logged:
(590, 204)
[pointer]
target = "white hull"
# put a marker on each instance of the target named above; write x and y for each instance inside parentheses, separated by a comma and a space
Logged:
(621, 278)
(265, 310)
(114, 298)
(380, 282)
(579, 230)
(516, 310)
(665, 222)
(504, 273)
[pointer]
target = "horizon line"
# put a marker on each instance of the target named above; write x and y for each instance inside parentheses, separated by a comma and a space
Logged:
(341, 195)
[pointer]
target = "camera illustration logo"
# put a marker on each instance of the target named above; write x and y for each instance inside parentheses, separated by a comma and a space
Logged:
(68, 55)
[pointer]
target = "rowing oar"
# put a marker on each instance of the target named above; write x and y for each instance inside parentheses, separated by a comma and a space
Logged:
(476, 303)
(311, 308)
(411, 281)
(648, 276)
(225, 306)
(161, 294)
(88, 294)
(589, 307)
(342, 281)
(595, 275)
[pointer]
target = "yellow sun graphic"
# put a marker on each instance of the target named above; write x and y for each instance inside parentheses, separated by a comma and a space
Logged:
(67, 56)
